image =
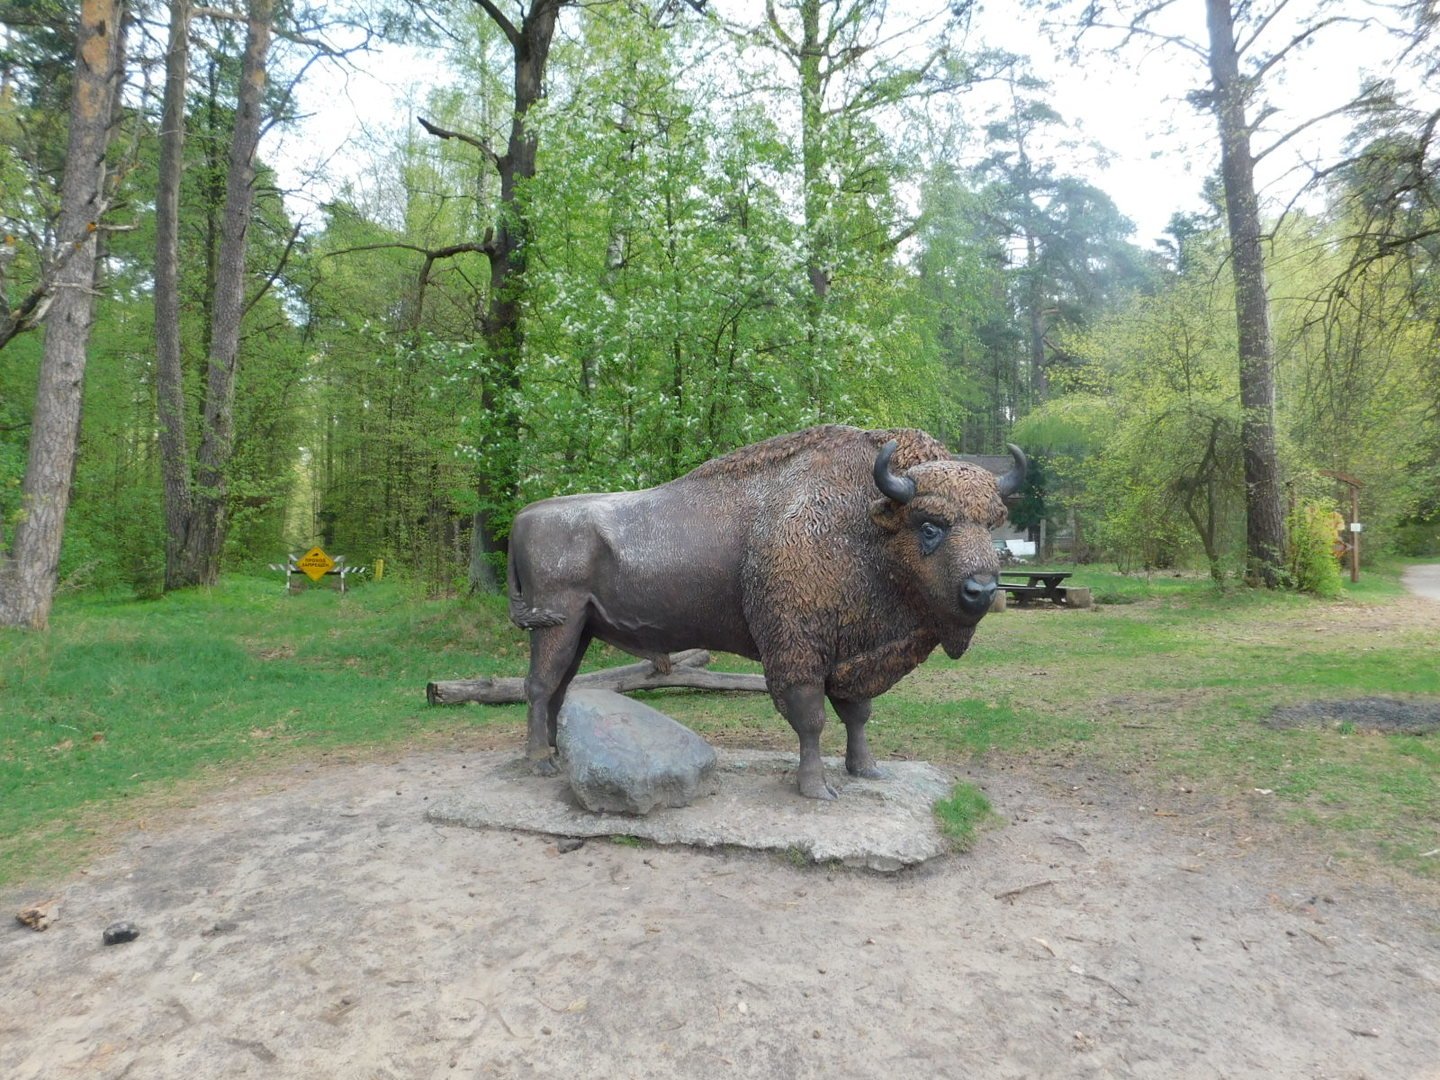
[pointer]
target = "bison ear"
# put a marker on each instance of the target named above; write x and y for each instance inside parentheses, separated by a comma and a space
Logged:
(887, 515)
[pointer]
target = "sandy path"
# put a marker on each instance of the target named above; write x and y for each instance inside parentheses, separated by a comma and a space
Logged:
(1423, 580)
(1087, 938)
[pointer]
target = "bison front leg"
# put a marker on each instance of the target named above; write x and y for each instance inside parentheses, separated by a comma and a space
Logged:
(859, 761)
(555, 655)
(804, 707)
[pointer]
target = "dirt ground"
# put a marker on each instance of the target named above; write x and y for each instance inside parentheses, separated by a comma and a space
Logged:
(314, 925)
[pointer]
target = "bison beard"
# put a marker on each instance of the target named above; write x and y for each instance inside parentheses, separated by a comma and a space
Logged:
(957, 641)
(838, 558)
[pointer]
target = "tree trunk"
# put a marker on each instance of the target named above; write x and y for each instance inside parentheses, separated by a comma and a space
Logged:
(816, 199)
(205, 531)
(685, 669)
(1035, 300)
(500, 323)
(169, 368)
(28, 573)
(1264, 516)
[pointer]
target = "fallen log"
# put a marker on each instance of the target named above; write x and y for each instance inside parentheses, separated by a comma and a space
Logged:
(687, 669)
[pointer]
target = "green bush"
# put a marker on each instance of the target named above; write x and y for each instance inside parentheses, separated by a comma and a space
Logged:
(1314, 526)
(1416, 540)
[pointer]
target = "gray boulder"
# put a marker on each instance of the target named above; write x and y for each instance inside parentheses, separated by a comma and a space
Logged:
(624, 757)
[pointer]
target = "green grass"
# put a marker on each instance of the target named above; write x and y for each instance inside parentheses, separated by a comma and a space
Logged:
(963, 815)
(121, 700)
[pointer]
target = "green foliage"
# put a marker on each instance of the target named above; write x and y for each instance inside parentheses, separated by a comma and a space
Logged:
(1313, 529)
(1074, 425)
(959, 304)
(660, 330)
(1356, 371)
(1416, 539)
(963, 814)
(1031, 507)
(1154, 431)
(711, 261)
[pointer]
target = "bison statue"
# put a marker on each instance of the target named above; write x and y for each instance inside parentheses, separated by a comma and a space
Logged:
(838, 558)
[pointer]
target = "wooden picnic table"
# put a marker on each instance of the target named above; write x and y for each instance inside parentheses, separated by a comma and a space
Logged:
(1043, 585)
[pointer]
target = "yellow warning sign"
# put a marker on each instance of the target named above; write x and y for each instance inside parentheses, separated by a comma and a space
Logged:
(315, 563)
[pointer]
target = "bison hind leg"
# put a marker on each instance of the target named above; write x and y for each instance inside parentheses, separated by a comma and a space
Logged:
(555, 656)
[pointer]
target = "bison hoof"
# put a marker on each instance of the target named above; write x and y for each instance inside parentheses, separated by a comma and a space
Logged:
(817, 789)
(546, 766)
(866, 772)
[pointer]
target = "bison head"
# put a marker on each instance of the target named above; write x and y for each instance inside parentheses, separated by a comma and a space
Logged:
(940, 514)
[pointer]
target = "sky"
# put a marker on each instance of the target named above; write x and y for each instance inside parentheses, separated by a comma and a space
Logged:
(1159, 148)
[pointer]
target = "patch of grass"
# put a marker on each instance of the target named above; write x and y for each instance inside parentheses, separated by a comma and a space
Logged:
(1379, 579)
(1108, 588)
(964, 814)
(118, 698)
(122, 699)
(796, 856)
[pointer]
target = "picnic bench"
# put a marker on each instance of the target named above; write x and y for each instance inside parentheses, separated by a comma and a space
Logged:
(1039, 585)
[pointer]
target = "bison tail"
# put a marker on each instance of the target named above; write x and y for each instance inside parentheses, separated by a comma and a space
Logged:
(523, 614)
(529, 618)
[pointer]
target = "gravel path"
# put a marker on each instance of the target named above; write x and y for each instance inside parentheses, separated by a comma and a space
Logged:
(1423, 580)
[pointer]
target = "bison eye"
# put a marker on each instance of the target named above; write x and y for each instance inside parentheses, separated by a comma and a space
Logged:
(930, 537)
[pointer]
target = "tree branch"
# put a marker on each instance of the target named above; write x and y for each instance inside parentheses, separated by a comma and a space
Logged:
(469, 140)
(686, 669)
(1134, 29)
(893, 242)
(1242, 48)
(1299, 39)
(1298, 128)
(274, 274)
(779, 31)
(485, 247)
(295, 37)
(498, 18)
(31, 311)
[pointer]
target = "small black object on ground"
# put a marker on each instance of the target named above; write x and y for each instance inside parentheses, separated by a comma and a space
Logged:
(120, 932)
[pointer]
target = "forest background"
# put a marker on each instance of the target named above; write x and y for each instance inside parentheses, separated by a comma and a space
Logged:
(617, 239)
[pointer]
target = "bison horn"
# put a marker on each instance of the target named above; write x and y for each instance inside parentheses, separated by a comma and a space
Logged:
(899, 488)
(1013, 480)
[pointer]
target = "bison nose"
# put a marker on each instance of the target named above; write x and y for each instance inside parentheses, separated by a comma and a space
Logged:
(975, 594)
